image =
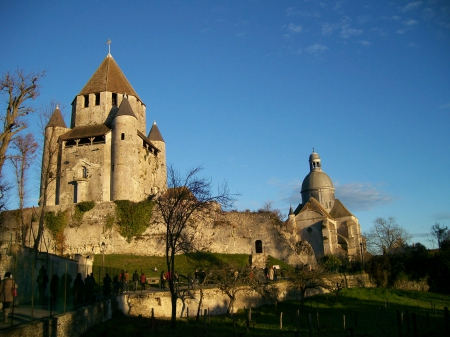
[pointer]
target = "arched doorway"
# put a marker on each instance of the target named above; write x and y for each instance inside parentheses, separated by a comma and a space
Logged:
(258, 247)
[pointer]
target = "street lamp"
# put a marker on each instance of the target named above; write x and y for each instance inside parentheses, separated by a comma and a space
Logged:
(102, 249)
(362, 255)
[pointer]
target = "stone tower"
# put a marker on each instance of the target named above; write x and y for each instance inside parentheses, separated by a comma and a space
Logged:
(105, 155)
(51, 168)
(125, 155)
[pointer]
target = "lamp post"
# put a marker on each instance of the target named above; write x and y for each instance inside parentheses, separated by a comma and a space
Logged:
(362, 255)
(103, 248)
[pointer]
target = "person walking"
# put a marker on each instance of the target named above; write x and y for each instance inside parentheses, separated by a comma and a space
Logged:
(162, 280)
(107, 285)
(42, 281)
(271, 273)
(78, 291)
(135, 280)
(127, 280)
(7, 293)
(143, 281)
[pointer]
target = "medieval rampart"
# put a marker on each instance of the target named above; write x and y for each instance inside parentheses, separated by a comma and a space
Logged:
(223, 232)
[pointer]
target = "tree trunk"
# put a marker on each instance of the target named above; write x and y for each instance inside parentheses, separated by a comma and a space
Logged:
(231, 305)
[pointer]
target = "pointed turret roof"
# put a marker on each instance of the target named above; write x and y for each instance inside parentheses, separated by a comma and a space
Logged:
(57, 119)
(125, 108)
(154, 134)
(109, 77)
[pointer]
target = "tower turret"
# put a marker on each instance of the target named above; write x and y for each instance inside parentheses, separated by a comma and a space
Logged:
(49, 190)
(125, 154)
(160, 181)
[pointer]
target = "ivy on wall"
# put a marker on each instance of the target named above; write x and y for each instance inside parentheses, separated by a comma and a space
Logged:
(56, 222)
(133, 217)
(81, 208)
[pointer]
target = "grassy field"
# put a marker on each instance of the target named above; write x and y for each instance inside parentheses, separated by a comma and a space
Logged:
(364, 311)
(184, 264)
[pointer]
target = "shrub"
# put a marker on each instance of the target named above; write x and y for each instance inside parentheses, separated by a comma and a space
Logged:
(133, 217)
(56, 222)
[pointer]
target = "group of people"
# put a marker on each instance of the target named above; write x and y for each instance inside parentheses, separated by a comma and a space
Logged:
(271, 273)
(122, 282)
(166, 277)
(84, 291)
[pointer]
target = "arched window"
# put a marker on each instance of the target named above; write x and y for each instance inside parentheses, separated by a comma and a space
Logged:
(84, 172)
(258, 247)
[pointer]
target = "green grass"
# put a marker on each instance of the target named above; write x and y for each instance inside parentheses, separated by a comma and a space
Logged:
(184, 264)
(366, 311)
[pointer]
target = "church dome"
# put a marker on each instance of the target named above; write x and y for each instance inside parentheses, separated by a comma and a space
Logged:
(316, 180)
(314, 156)
(317, 184)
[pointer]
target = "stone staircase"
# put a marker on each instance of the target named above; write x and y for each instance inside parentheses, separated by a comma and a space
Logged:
(258, 260)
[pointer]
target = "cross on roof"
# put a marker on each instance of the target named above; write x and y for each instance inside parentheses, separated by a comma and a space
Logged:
(109, 46)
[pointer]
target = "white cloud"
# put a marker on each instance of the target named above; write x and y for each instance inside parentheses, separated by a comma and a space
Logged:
(412, 45)
(445, 106)
(355, 196)
(361, 196)
(327, 28)
(316, 48)
(348, 32)
(410, 23)
(292, 12)
(378, 31)
(364, 43)
(401, 31)
(411, 6)
(295, 28)
(442, 215)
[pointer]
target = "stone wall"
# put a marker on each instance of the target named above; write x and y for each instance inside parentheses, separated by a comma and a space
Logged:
(69, 324)
(228, 232)
(215, 300)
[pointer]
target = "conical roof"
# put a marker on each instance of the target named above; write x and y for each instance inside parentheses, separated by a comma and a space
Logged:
(125, 108)
(154, 134)
(56, 119)
(109, 77)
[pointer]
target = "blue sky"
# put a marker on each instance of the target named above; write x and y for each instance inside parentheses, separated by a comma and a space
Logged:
(247, 88)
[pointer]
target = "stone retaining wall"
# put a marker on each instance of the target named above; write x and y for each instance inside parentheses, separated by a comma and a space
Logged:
(214, 300)
(69, 324)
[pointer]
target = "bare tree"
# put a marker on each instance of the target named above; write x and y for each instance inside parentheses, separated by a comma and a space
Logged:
(185, 196)
(232, 280)
(386, 236)
(4, 189)
(305, 279)
(18, 88)
(26, 149)
(439, 233)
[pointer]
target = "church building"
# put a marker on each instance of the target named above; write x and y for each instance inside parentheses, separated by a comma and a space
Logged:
(321, 223)
(105, 154)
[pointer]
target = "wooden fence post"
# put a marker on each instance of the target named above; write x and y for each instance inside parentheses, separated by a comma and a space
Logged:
(281, 320)
(310, 325)
(205, 315)
(187, 315)
(446, 322)
(400, 322)
(414, 324)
